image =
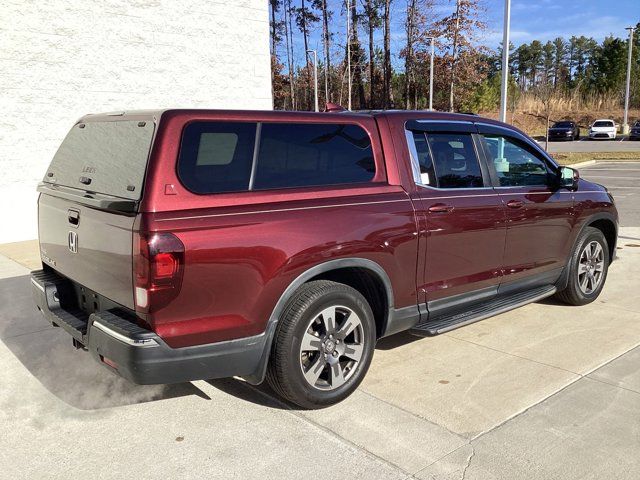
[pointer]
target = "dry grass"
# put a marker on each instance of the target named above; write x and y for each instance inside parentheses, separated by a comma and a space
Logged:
(569, 103)
(530, 114)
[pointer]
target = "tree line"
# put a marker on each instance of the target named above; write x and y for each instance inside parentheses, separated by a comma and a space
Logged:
(354, 63)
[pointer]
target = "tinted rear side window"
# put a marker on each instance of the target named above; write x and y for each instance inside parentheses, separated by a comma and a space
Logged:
(297, 155)
(455, 160)
(217, 156)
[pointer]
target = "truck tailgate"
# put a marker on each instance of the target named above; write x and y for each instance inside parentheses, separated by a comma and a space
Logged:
(90, 246)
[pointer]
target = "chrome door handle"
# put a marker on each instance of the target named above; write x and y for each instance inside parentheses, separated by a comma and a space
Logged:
(515, 204)
(440, 208)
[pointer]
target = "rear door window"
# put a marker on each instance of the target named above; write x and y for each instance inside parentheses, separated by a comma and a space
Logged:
(455, 161)
(104, 157)
(302, 154)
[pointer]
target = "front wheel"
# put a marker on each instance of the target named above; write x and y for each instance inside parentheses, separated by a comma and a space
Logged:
(323, 345)
(588, 268)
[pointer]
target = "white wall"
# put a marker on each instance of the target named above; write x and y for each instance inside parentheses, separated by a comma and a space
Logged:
(60, 59)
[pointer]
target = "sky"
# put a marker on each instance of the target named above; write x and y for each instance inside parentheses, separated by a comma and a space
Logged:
(547, 19)
(530, 20)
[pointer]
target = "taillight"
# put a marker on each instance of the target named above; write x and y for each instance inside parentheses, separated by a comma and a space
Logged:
(158, 269)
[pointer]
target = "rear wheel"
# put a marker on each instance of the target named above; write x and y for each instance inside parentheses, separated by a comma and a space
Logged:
(588, 268)
(323, 345)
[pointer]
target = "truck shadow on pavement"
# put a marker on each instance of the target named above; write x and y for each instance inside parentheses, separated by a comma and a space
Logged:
(71, 375)
(264, 395)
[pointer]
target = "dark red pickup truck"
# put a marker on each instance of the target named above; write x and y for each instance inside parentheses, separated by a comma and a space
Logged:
(193, 244)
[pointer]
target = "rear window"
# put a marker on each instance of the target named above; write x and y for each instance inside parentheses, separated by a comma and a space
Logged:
(603, 123)
(104, 157)
(220, 157)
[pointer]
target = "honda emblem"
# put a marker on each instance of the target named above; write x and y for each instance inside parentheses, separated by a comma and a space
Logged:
(73, 242)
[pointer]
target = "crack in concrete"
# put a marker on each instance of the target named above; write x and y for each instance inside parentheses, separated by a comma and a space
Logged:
(535, 404)
(409, 412)
(473, 454)
(288, 409)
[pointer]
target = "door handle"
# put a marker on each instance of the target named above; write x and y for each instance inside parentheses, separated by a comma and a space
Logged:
(440, 208)
(515, 204)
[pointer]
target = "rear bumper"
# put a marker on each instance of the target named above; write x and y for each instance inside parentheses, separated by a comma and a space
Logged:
(140, 355)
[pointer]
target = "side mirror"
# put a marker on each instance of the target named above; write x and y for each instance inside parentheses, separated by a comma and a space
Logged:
(568, 177)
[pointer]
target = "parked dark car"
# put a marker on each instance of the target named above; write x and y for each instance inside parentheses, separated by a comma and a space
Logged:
(634, 133)
(564, 130)
(194, 244)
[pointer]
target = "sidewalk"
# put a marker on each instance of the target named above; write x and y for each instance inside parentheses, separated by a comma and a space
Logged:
(545, 391)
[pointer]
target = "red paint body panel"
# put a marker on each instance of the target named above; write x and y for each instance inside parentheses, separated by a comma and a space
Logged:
(465, 245)
(239, 260)
(242, 250)
(537, 232)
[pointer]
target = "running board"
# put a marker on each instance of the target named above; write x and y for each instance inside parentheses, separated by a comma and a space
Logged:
(447, 322)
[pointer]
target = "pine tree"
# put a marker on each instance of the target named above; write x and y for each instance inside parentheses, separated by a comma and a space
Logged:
(387, 91)
(305, 18)
(560, 74)
(372, 15)
(326, 44)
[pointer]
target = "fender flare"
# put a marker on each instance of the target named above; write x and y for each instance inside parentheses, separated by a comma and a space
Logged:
(258, 376)
(595, 217)
(564, 277)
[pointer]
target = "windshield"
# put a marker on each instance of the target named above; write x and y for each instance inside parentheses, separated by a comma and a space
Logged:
(637, 124)
(104, 157)
(603, 123)
(562, 125)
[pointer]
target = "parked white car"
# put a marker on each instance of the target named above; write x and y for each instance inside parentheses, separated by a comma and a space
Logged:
(603, 128)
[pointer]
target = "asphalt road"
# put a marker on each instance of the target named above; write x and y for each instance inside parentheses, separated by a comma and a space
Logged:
(584, 145)
(623, 181)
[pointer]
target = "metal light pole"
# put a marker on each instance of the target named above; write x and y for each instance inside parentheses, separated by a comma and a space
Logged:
(625, 123)
(433, 51)
(349, 53)
(315, 76)
(505, 60)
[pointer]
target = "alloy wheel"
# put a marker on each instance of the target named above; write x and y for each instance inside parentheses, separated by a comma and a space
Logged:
(331, 348)
(591, 267)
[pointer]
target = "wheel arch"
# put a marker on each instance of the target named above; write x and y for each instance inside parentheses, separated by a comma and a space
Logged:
(607, 225)
(352, 271)
(602, 220)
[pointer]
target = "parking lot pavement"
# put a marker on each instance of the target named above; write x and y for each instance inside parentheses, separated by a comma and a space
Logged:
(586, 145)
(545, 391)
(623, 181)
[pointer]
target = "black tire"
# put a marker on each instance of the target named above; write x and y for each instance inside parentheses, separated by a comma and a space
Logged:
(286, 362)
(574, 294)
